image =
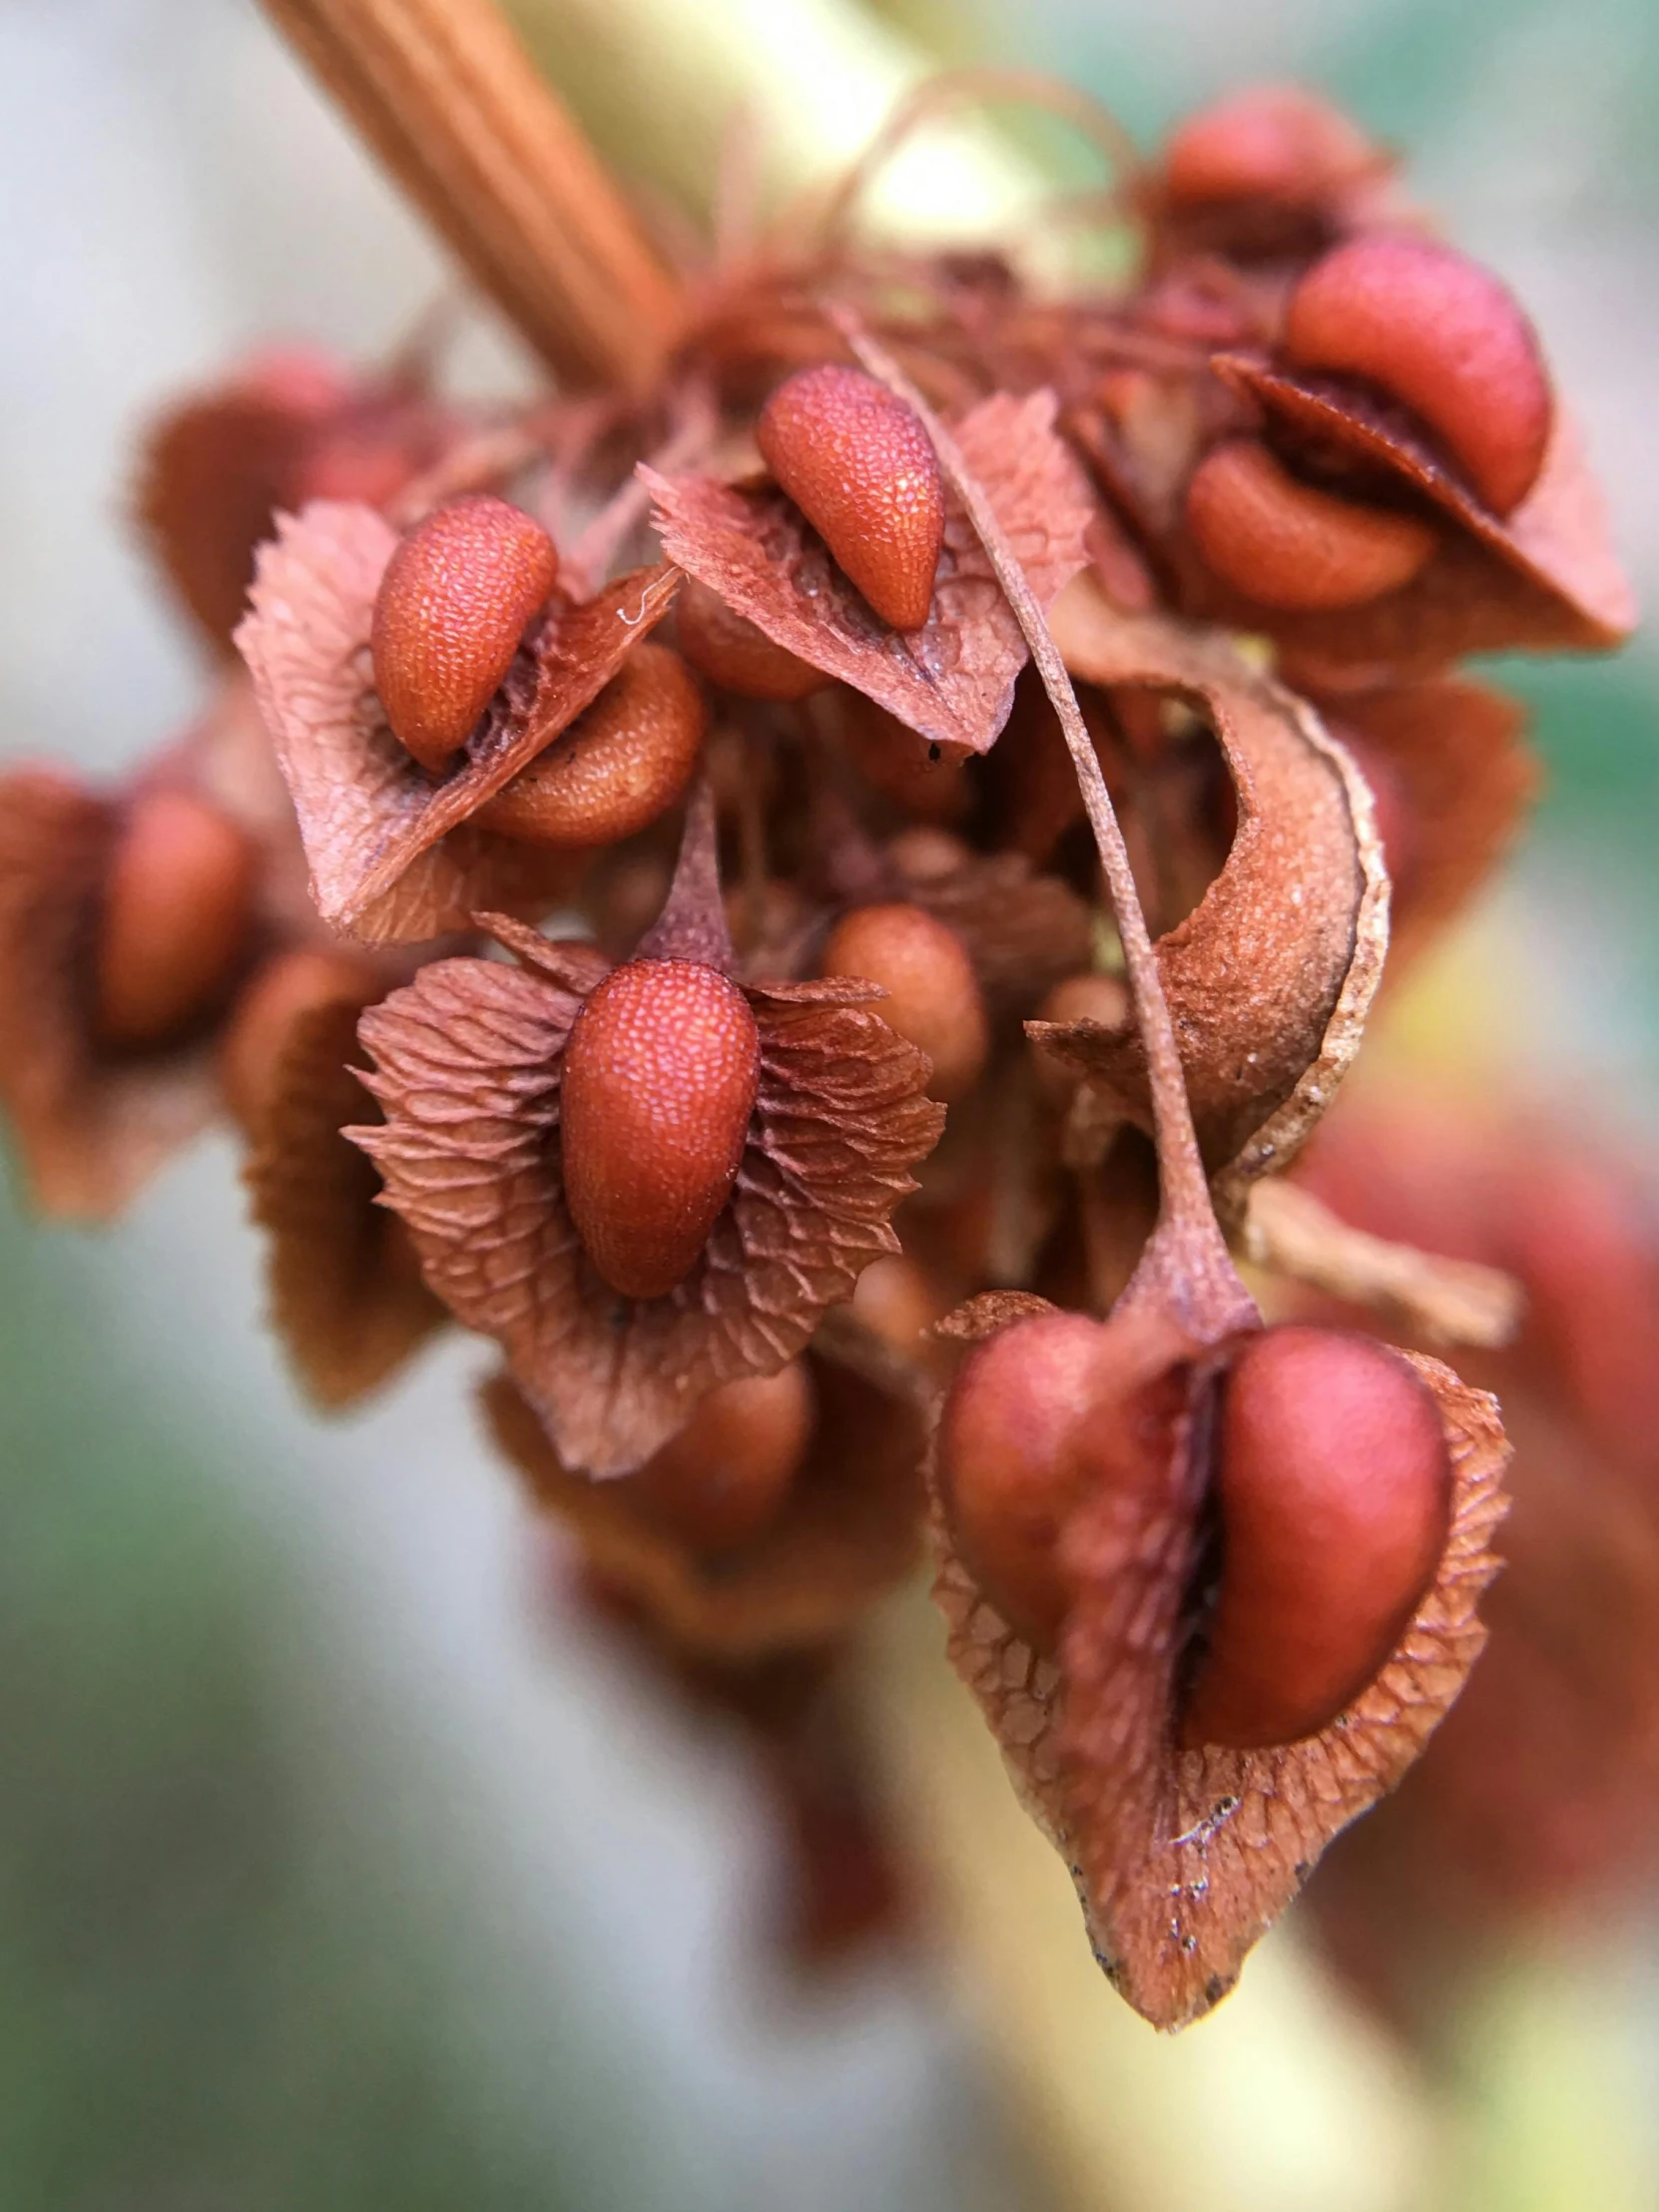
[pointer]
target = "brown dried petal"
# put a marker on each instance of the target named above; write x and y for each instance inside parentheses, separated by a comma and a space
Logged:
(953, 679)
(1184, 1858)
(346, 1294)
(468, 1061)
(1546, 577)
(1271, 976)
(393, 855)
(850, 1530)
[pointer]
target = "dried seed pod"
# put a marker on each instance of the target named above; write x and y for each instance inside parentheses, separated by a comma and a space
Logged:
(860, 467)
(1007, 1471)
(660, 1079)
(453, 604)
(1269, 142)
(1439, 332)
(732, 652)
(934, 996)
(1103, 999)
(725, 1478)
(623, 762)
(1286, 544)
(263, 1015)
(1332, 1488)
(177, 905)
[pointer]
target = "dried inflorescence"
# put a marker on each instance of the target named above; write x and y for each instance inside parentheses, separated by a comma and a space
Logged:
(815, 863)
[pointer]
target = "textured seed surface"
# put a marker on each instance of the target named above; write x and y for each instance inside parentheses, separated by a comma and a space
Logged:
(860, 466)
(263, 1015)
(451, 609)
(623, 762)
(726, 1476)
(1442, 335)
(1007, 1474)
(731, 651)
(659, 1082)
(174, 922)
(934, 996)
(1271, 141)
(1286, 544)
(1333, 1490)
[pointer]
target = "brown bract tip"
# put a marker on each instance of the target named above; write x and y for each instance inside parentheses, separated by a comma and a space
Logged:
(951, 679)
(393, 853)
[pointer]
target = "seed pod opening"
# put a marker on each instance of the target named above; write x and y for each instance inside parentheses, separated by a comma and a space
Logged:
(1285, 543)
(1439, 332)
(659, 1082)
(1332, 1491)
(726, 1476)
(623, 762)
(457, 597)
(934, 996)
(862, 469)
(732, 652)
(174, 929)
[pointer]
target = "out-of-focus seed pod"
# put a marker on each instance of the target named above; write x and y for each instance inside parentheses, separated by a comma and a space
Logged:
(1332, 1488)
(1007, 1473)
(1439, 332)
(725, 1479)
(934, 996)
(1101, 999)
(1395, 824)
(177, 905)
(457, 598)
(862, 469)
(1286, 544)
(660, 1077)
(925, 855)
(623, 762)
(902, 764)
(1269, 142)
(264, 1017)
(734, 653)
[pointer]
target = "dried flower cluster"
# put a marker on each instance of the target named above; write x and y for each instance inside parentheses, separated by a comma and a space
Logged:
(835, 872)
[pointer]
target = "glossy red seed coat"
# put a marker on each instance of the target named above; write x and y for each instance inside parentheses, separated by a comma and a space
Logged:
(725, 1479)
(659, 1082)
(862, 469)
(733, 652)
(177, 905)
(1286, 544)
(1439, 332)
(623, 762)
(934, 996)
(452, 607)
(1333, 1484)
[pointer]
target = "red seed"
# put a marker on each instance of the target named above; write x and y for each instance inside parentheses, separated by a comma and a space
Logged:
(725, 1479)
(921, 777)
(734, 653)
(660, 1078)
(1269, 142)
(1333, 1485)
(177, 905)
(1439, 332)
(1008, 1473)
(862, 469)
(623, 762)
(1285, 544)
(934, 996)
(452, 607)
(1101, 999)
(263, 1015)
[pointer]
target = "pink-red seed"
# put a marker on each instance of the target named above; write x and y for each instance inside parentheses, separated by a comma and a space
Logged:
(1286, 544)
(176, 906)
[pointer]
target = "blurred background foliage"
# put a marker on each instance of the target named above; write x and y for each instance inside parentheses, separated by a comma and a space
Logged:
(340, 1867)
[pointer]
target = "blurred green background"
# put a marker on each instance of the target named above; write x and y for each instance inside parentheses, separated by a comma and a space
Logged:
(338, 1868)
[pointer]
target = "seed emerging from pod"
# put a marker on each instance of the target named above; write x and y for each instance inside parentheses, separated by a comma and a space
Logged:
(934, 996)
(623, 762)
(1332, 1485)
(454, 602)
(735, 652)
(265, 1013)
(1007, 1473)
(1286, 544)
(1442, 335)
(660, 1077)
(860, 467)
(1269, 141)
(725, 1479)
(176, 906)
